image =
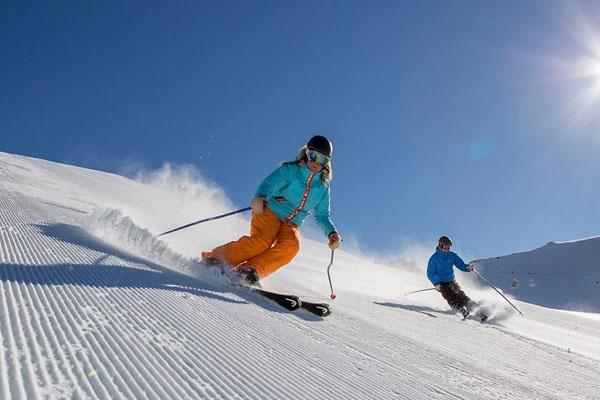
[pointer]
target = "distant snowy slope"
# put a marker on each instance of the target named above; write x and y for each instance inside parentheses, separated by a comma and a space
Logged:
(94, 305)
(562, 275)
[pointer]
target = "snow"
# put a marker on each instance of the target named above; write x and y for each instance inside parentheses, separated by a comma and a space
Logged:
(94, 305)
(563, 275)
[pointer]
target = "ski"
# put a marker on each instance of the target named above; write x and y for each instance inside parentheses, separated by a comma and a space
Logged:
(479, 318)
(475, 315)
(292, 302)
(320, 309)
(476, 311)
(287, 301)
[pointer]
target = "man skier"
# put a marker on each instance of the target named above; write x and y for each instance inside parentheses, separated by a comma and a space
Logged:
(441, 274)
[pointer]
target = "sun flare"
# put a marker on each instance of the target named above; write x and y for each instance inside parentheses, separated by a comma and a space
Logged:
(573, 73)
(583, 70)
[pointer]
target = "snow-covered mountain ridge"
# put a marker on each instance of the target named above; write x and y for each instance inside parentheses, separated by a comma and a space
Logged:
(94, 305)
(564, 275)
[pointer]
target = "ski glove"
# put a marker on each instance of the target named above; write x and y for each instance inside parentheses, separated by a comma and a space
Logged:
(258, 205)
(334, 240)
(438, 287)
(469, 267)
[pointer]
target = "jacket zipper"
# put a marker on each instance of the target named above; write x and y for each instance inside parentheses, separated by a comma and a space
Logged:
(295, 213)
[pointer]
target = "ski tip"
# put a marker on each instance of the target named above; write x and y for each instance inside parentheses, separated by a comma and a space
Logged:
(322, 310)
(325, 311)
(292, 304)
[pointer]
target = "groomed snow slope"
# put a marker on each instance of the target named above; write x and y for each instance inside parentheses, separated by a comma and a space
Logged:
(93, 305)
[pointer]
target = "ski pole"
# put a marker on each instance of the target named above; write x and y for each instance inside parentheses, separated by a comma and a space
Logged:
(206, 219)
(417, 291)
(493, 287)
(333, 295)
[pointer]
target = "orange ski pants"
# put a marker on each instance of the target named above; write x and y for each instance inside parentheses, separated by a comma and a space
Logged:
(271, 245)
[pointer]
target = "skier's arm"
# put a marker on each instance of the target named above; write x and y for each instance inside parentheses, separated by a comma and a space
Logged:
(322, 215)
(460, 264)
(431, 267)
(276, 180)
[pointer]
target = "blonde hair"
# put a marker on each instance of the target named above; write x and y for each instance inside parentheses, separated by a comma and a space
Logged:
(326, 172)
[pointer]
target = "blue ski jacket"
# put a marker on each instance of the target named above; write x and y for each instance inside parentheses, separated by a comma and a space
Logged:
(293, 191)
(440, 266)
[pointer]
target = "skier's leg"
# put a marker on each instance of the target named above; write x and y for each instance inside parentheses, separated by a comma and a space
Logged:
(452, 293)
(448, 293)
(461, 299)
(263, 232)
(286, 247)
(466, 305)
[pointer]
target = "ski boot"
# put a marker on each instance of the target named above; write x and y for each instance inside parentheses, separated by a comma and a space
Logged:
(248, 276)
(478, 310)
(209, 260)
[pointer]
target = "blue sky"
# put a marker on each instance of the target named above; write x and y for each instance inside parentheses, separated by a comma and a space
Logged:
(473, 119)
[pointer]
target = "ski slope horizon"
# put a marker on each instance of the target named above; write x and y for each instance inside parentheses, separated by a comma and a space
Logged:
(94, 305)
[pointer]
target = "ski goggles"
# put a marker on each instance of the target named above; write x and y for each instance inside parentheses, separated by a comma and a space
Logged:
(445, 246)
(316, 157)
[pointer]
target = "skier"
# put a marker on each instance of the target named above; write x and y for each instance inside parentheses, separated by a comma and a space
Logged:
(441, 274)
(281, 203)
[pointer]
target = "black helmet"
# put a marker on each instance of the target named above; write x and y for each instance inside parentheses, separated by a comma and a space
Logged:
(320, 144)
(444, 240)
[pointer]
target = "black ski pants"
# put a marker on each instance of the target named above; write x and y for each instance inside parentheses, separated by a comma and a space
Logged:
(454, 295)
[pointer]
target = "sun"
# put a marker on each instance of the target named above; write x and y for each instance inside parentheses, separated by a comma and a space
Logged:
(573, 72)
(582, 69)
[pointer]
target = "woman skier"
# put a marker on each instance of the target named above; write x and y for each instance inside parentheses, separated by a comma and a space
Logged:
(281, 203)
(441, 274)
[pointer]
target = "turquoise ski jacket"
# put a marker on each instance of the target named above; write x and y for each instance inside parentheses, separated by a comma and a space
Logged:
(293, 191)
(440, 266)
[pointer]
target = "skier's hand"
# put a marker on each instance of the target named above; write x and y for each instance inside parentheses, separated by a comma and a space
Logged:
(334, 240)
(470, 267)
(258, 205)
(438, 287)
